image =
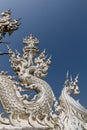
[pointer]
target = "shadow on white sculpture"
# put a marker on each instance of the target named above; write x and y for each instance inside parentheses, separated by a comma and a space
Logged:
(42, 111)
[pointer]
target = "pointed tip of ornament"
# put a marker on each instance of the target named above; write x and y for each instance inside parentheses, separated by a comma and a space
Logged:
(76, 78)
(67, 74)
(71, 78)
(50, 57)
(44, 51)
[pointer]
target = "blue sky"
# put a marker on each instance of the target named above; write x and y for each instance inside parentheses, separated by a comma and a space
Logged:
(61, 27)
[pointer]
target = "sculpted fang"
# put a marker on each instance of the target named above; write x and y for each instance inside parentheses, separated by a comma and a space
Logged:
(42, 110)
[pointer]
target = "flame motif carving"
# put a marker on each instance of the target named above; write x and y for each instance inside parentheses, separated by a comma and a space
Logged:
(42, 110)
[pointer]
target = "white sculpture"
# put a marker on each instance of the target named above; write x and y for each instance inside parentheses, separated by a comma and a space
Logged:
(41, 111)
(7, 24)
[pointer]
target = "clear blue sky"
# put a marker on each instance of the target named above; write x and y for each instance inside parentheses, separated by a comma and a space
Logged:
(61, 27)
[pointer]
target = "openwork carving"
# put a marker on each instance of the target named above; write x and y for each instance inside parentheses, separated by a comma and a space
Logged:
(42, 110)
(7, 25)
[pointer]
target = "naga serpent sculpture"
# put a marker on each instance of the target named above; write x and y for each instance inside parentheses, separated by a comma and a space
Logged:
(39, 110)
(73, 115)
(29, 72)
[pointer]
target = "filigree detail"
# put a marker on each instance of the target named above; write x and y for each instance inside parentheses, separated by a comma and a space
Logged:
(72, 114)
(42, 110)
(7, 24)
(30, 69)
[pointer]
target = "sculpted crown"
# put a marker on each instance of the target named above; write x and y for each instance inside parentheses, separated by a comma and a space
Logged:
(38, 66)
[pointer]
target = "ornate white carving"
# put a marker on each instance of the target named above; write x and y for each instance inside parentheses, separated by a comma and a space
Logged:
(42, 110)
(7, 24)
